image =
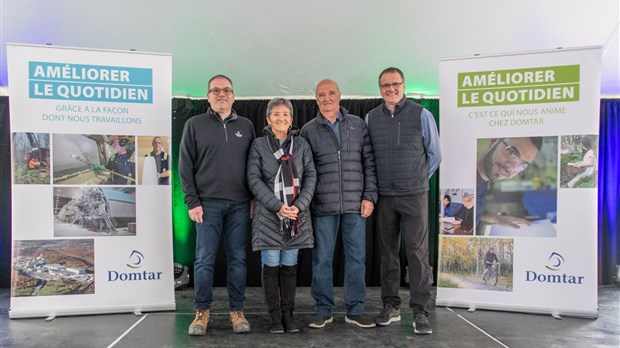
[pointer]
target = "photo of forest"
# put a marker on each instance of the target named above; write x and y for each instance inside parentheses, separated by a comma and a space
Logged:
(31, 158)
(578, 161)
(476, 263)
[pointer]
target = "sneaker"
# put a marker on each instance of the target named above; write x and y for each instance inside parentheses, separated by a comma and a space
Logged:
(275, 323)
(421, 325)
(319, 321)
(389, 314)
(361, 320)
(289, 322)
(198, 327)
(238, 322)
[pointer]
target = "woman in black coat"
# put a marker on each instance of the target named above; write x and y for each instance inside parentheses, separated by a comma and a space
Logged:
(282, 178)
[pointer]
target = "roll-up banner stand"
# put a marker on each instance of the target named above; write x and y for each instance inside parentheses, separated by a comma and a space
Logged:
(518, 185)
(91, 205)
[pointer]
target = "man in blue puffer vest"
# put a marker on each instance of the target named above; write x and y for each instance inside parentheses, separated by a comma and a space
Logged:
(405, 141)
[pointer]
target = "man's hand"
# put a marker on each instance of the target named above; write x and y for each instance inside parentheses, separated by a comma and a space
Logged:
(367, 208)
(512, 221)
(196, 214)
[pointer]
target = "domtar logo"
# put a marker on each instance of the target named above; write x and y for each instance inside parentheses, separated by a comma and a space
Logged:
(135, 259)
(556, 261)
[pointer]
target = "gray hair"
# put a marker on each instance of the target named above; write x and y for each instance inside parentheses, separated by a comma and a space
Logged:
(276, 102)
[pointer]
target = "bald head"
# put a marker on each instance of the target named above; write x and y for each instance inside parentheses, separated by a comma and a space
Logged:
(327, 95)
(331, 84)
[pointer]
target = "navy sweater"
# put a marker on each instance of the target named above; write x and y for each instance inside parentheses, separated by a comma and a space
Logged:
(212, 158)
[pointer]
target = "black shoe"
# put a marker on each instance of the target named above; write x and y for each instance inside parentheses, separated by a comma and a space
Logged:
(421, 325)
(361, 320)
(275, 323)
(289, 322)
(319, 321)
(389, 314)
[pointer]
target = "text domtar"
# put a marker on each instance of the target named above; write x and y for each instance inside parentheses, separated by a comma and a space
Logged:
(124, 277)
(532, 276)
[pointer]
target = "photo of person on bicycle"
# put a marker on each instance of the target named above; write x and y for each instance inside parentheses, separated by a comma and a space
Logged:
(476, 263)
(490, 260)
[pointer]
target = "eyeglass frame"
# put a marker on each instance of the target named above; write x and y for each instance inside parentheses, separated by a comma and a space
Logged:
(515, 155)
(217, 90)
(392, 84)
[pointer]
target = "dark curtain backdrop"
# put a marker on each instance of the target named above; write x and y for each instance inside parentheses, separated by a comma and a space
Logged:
(5, 194)
(609, 191)
(182, 109)
(303, 111)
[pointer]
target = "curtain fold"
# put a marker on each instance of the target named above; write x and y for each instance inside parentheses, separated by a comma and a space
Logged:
(5, 194)
(609, 191)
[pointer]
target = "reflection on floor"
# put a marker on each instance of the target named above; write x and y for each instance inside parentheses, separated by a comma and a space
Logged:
(452, 327)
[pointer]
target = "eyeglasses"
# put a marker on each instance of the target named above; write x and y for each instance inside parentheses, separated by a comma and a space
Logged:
(393, 84)
(515, 156)
(217, 91)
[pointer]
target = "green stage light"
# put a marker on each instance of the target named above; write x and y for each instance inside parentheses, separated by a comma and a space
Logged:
(184, 235)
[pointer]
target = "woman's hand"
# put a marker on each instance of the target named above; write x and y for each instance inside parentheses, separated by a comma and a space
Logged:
(289, 212)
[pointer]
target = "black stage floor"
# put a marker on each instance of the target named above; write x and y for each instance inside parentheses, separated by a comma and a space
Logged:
(452, 327)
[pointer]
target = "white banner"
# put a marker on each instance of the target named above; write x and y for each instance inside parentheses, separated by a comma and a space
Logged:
(91, 204)
(519, 137)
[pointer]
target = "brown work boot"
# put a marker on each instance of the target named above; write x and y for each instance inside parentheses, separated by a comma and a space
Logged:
(238, 322)
(198, 327)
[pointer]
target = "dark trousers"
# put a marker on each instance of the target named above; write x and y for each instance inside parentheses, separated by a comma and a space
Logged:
(410, 213)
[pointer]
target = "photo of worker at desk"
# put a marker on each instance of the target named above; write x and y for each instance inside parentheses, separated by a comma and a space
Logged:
(457, 212)
(516, 186)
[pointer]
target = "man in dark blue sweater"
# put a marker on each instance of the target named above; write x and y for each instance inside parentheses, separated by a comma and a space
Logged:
(212, 166)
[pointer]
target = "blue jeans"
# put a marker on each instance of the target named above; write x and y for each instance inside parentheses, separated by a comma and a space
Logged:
(227, 220)
(275, 258)
(354, 241)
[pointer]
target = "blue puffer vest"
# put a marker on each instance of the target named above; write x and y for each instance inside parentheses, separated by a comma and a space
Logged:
(402, 166)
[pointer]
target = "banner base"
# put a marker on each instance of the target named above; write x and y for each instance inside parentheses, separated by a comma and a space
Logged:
(22, 314)
(555, 312)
